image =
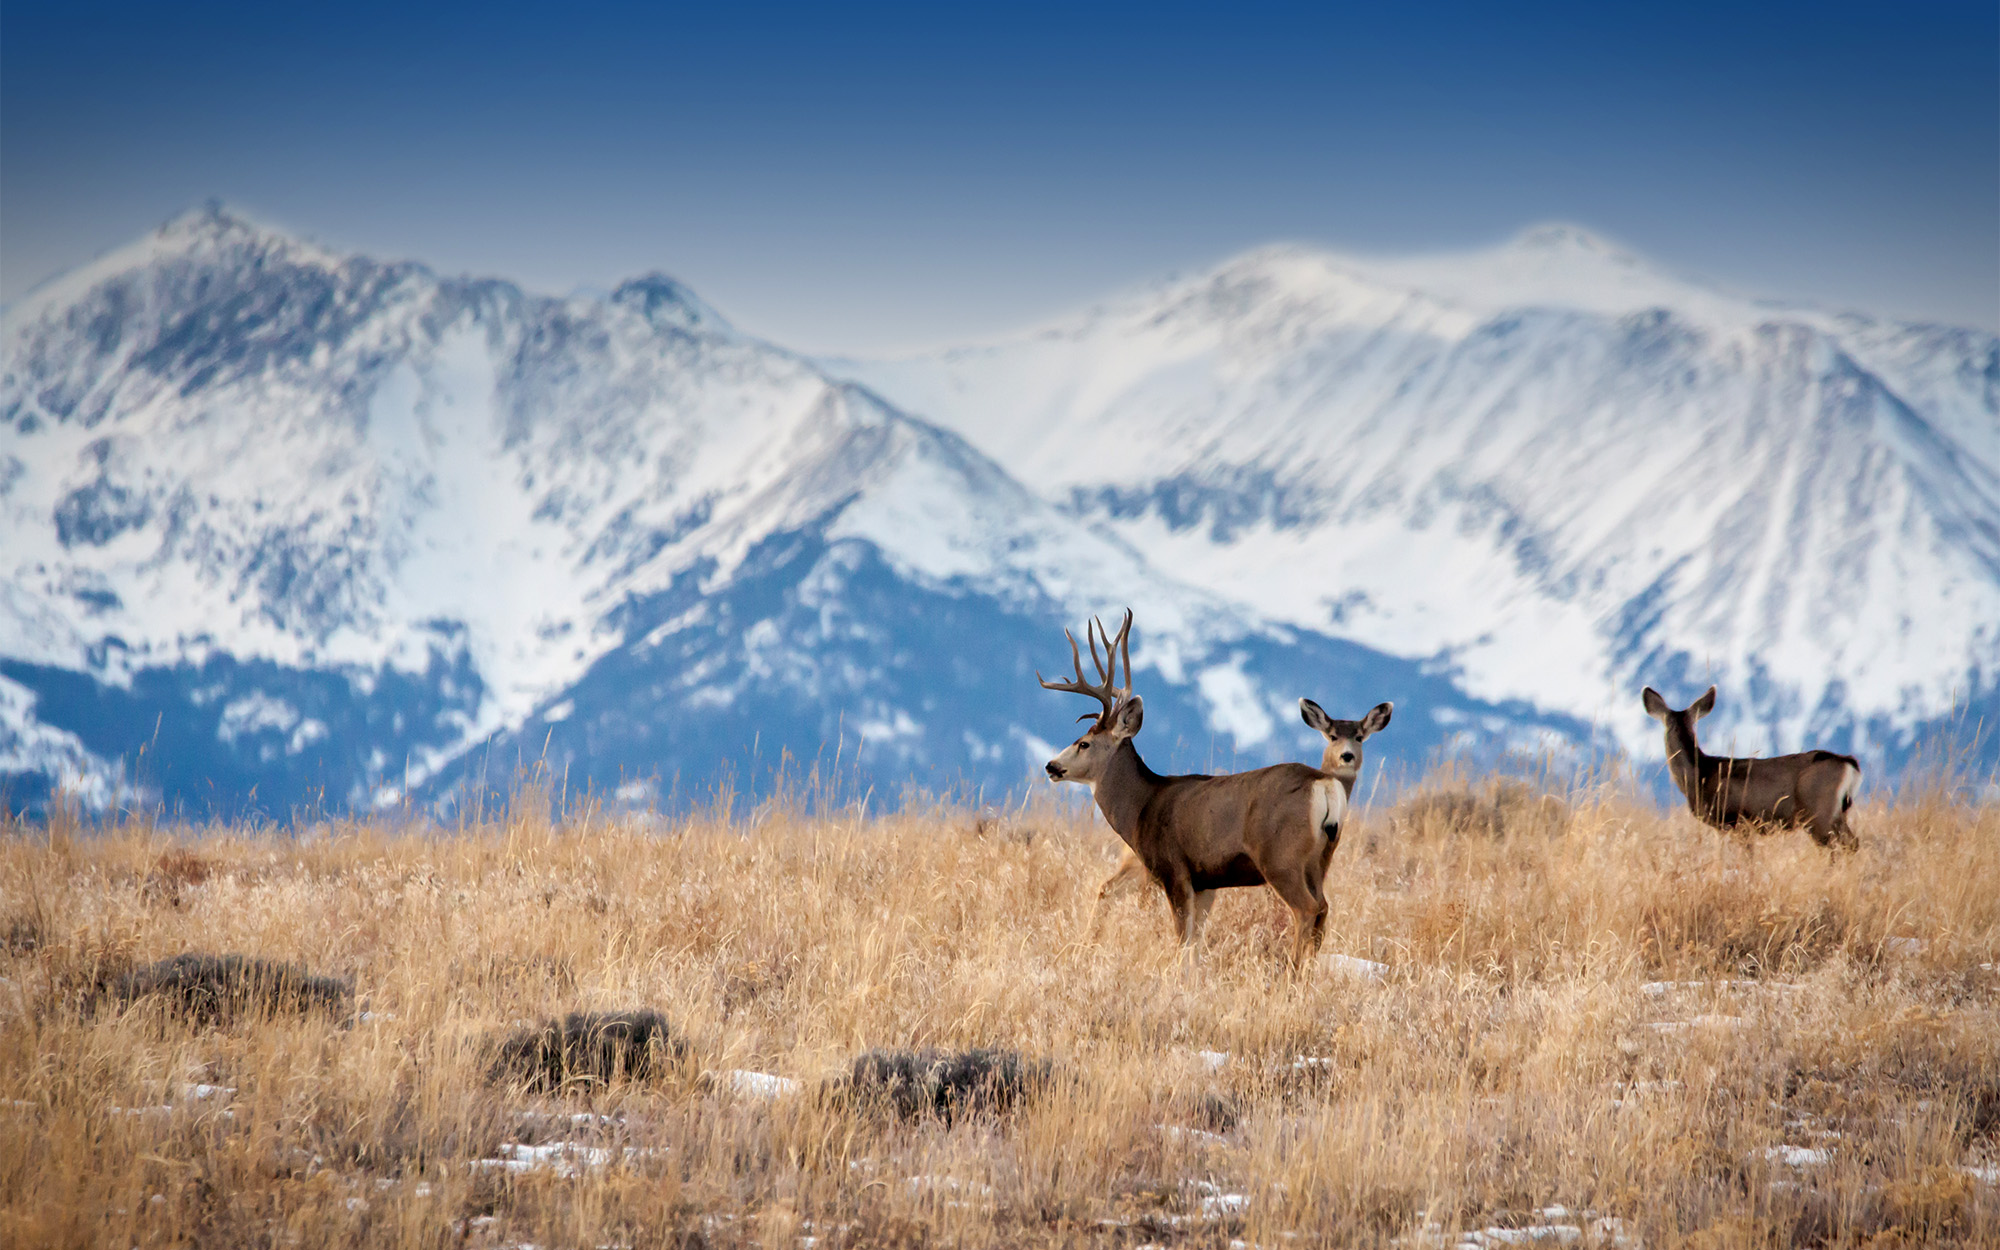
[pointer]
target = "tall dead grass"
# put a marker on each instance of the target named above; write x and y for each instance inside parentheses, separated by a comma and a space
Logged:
(1673, 1036)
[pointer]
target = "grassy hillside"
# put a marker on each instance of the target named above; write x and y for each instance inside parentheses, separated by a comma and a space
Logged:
(1582, 1002)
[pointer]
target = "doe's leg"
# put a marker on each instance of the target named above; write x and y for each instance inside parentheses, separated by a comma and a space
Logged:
(1203, 900)
(1308, 912)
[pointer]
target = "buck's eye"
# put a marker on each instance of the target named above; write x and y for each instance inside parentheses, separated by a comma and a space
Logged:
(1083, 744)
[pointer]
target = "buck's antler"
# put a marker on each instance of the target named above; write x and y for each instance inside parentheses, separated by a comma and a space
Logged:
(1106, 689)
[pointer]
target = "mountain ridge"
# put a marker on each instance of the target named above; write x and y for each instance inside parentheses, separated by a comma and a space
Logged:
(1214, 420)
(291, 526)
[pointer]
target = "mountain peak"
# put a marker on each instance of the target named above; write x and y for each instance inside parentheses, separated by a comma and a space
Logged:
(213, 222)
(1559, 265)
(1561, 236)
(209, 230)
(669, 304)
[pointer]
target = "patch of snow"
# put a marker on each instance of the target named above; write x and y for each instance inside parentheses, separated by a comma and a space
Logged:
(575, 1119)
(1798, 1156)
(1214, 1202)
(1532, 1235)
(759, 1084)
(562, 1158)
(1190, 1136)
(947, 1185)
(1660, 989)
(1353, 966)
(1710, 1021)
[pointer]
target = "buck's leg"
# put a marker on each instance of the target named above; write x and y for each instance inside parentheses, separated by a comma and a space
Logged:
(1130, 867)
(1180, 897)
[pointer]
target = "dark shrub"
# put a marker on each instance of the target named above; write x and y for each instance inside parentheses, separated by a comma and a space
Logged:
(588, 1047)
(914, 1083)
(213, 988)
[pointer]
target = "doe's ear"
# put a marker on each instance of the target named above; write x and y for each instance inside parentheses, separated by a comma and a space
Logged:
(1704, 705)
(1656, 707)
(1377, 719)
(1127, 717)
(1315, 715)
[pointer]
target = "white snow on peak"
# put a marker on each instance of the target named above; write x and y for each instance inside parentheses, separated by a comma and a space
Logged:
(1551, 465)
(223, 441)
(1559, 266)
(203, 230)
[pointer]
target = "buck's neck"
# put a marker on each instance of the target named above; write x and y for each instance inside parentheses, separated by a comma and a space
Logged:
(1123, 791)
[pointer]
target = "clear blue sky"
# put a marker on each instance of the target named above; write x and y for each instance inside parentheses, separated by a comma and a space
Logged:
(877, 177)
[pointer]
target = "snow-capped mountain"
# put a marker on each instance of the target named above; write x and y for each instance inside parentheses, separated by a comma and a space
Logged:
(283, 525)
(1551, 468)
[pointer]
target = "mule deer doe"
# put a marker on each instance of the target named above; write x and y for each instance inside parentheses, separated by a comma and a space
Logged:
(1341, 759)
(1813, 789)
(1198, 834)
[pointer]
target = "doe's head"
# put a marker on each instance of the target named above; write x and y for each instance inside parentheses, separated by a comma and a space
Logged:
(1123, 712)
(1342, 757)
(1656, 707)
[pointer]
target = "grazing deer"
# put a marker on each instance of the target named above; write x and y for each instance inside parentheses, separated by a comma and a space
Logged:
(1813, 789)
(1342, 758)
(1198, 834)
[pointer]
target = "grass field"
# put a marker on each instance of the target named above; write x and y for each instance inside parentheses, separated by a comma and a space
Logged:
(1574, 1001)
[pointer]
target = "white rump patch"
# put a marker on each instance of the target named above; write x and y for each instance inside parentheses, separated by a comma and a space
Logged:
(1329, 803)
(1850, 781)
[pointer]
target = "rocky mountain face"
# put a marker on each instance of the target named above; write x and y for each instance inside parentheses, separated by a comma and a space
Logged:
(1549, 469)
(283, 529)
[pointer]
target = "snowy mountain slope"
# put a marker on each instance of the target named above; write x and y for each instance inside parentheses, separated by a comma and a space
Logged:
(285, 526)
(1551, 466)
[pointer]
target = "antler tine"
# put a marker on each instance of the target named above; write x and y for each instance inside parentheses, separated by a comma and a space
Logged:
(1100, 691)
(1104, 678)
(1125, 649)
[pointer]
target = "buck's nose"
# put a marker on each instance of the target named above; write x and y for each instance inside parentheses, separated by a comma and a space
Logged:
(1347, 758)
(1055, 771)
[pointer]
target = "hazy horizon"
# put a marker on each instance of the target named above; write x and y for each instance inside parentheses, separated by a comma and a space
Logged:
(898, 178)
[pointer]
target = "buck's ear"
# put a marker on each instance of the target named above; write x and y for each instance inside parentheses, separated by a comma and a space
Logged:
(1704, 705)
(1377, 719)
(1128, 716)
(1656, 707)
(1315, 715)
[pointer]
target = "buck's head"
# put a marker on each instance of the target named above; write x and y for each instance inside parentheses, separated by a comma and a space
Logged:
(1123, 712)
(1344, 737)
(1680, 724)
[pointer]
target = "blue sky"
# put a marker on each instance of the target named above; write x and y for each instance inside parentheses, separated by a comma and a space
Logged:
(880, 177)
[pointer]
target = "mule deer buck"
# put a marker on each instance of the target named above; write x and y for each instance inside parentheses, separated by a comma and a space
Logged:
(1198, 834)
(1341, 758)
(1813, 789)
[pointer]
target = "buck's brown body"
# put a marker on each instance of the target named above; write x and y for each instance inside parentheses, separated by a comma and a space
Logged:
(1811, 790)
(1197, 834)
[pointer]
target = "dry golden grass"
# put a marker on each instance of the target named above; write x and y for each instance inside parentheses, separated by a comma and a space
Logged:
(1511, 1059)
